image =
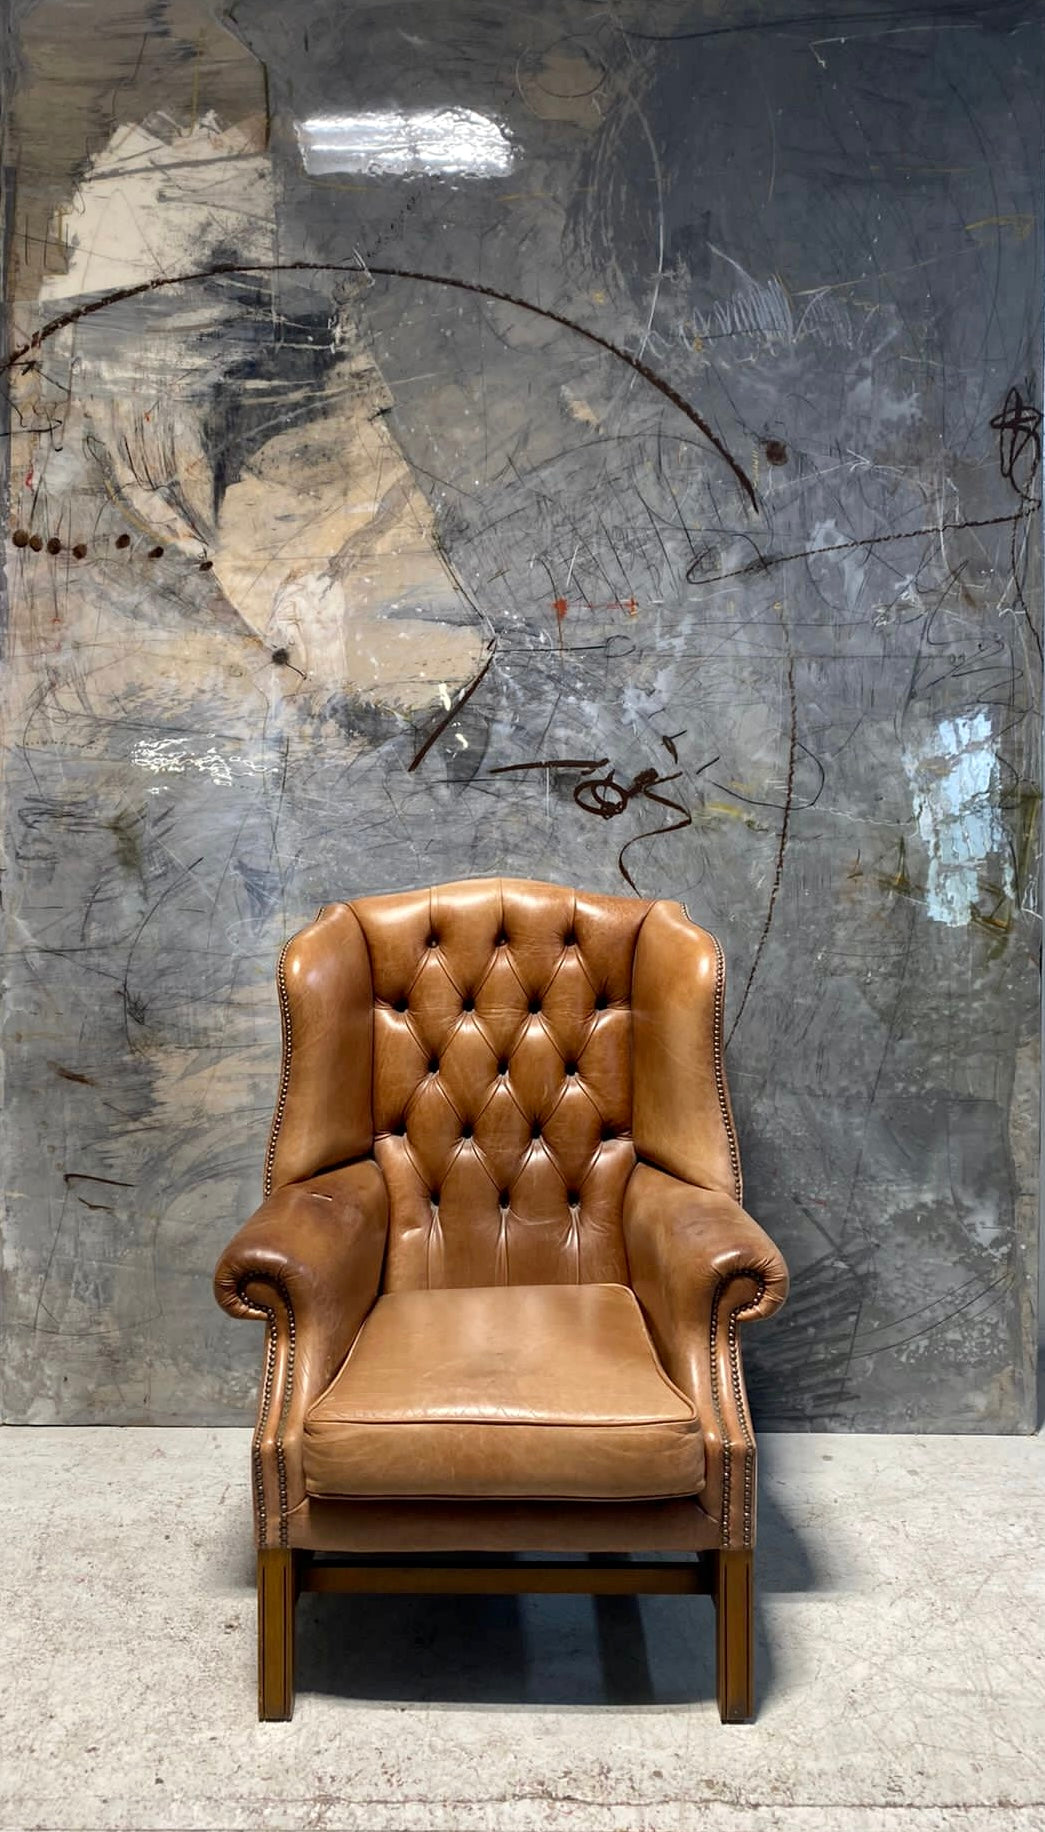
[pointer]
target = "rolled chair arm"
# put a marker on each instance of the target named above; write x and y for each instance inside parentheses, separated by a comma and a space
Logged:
(308, 1264)
(700, 1266)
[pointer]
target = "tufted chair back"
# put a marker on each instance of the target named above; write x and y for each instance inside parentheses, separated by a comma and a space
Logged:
(480, 1040)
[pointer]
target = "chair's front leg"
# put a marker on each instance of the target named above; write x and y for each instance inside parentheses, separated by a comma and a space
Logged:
(277, 1594)
(735, 1634)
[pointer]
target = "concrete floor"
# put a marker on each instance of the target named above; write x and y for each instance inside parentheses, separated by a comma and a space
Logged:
(901, 1662)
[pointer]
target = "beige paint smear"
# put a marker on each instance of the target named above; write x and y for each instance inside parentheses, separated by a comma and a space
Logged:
(157, 197)
(324, 545)
(327, 549)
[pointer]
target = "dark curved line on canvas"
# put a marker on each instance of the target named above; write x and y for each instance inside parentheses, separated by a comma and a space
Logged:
(222, 268)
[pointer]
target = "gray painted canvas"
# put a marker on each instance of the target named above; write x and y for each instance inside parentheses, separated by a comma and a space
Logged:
(594, 444)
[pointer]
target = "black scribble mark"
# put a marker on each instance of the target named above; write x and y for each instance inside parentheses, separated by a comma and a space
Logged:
(86, 1176)
(764, 562)
(606, 796)
(1018, 427)
(1001, 1284)
(80, 1176)
(456, 706)
(648, 788)
(701, 567)
(281, 659)
(812, 1370)
(551, 763)
(72, 1075)
(220, 269)
(1017, 566)
(785, 830)
(669, 744)
(135, 1007)
(754, 801)
(845, 20)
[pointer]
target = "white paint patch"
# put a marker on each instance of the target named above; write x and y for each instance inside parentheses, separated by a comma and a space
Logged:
(390, 142)
(323, 544)
(868, 397)
(172, 757)
(157, 199)
(954, 779)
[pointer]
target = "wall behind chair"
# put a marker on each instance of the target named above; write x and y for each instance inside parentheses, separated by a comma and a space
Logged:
(602, 446)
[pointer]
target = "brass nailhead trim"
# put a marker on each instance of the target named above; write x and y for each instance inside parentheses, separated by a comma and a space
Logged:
(716, 1402)
(281, 1460)
(720, 1070)
(268, 1379)
(256, 1465)
(284, 1075)
(736, 1318)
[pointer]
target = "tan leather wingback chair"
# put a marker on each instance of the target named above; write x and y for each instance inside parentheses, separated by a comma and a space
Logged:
(502, 1262)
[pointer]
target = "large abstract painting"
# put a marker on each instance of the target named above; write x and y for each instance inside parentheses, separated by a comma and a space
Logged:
(589, 443)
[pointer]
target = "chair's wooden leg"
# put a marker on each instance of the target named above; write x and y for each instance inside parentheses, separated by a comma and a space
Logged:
(735, 1635)
(277, 1591)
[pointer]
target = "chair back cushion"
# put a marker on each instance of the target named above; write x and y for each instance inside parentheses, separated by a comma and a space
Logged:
(502, 1080)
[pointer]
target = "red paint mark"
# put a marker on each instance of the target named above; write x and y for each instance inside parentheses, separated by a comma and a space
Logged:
(29, 478)
(561, 605)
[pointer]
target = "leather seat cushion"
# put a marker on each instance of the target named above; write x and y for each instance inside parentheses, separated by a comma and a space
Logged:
(504, 1392)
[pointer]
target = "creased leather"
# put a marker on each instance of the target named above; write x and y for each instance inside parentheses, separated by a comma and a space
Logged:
(327, 1006)
(681, 1113)
(308, 1263)
(531, 1391)
(502, 1080)
(700, 1265)
(538, 1075)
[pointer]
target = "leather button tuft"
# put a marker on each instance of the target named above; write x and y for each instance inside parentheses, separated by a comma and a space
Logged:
(502, 940)
(601, 1002)
(433, 1197)
(609, 1132)
(535, 1005)
(466, 1131)
(468, 1004)
(505, 1198)
(433, 1065)
(502, 1066)
(569, 940)
(401, 1130)
(402, 1005)
(570, 1067)
(433, 941)
(573, 1198)
(535, 1130)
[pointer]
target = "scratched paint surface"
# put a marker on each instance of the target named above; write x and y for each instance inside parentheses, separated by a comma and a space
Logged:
(601, 446)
